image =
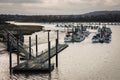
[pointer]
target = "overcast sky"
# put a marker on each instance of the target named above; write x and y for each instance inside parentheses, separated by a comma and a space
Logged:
(48, 7)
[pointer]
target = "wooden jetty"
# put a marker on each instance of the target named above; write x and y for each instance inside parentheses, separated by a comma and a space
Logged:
(39, 64)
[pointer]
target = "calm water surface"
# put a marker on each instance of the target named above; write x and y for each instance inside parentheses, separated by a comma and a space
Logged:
(80, 61)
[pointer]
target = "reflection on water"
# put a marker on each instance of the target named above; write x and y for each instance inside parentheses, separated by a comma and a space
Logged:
(33, 76)
(80, 61)
(37, 76)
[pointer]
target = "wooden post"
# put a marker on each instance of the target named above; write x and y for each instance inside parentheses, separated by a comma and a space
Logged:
(49, 62)
(36, 46)
(17, 51)
(8, 42)
(58, 36)
(49, 56)
(29, 47)
(57, 42)
(10, 58)
(48, 35)
(56, 52)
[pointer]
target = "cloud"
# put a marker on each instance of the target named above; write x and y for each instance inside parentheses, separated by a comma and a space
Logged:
(56, 6)
(20, 1)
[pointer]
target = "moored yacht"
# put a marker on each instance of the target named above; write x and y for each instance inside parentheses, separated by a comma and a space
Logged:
(68, 38)
(103, 35)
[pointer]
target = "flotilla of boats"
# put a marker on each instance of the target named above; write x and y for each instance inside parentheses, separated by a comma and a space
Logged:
(74, 25)
(103, 35)
(78, 32)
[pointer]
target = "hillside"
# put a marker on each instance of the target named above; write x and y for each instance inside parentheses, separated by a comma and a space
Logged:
(96, 13)
(97, 16)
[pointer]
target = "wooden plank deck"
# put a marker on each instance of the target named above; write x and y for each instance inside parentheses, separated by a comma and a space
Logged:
(39, 64)
(44, 56)
(32, 67)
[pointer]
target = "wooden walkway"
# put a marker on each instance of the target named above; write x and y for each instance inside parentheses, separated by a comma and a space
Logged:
(33, 64)
(40, 63)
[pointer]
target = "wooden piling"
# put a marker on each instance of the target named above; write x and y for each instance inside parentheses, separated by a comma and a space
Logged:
(29, 47)
(58, 36)
(36, 45)
(10, 58)
(49, 56)
(17, 52)
(49, 51)
(48, 35)
(8, 42)
(56, 52)
(57, 42)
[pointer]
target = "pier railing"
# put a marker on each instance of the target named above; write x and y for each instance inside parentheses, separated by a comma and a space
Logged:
(22, 47)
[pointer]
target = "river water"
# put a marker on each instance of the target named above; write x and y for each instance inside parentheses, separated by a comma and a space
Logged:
(80, 61)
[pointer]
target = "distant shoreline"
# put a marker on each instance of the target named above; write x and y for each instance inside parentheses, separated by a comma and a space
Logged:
(96, 16)
(24, 29)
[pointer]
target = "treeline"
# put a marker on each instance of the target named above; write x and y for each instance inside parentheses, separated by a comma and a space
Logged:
(61, 18)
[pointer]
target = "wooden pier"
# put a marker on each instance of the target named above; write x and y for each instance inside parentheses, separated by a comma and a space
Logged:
(39, 64)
